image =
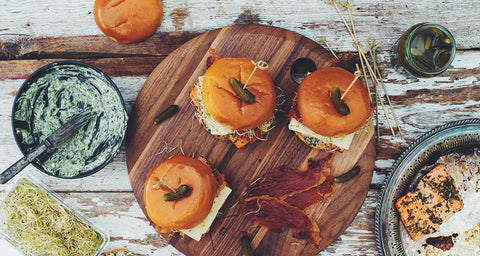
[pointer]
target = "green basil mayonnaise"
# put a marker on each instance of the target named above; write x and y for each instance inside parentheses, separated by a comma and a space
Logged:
(52, 98)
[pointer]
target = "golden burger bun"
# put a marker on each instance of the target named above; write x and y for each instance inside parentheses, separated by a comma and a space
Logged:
(224, 104)
(128, 21)
(188, 211)
(316, 107)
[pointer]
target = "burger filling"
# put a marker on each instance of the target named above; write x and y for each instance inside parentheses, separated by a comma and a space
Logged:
(220, 130)
(316, 140)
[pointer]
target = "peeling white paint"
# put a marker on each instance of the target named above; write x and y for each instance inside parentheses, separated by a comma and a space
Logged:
(466, 61)
(307, 18)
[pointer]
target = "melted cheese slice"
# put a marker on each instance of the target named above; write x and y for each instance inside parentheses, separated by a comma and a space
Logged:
(343, 142)
(198, 231)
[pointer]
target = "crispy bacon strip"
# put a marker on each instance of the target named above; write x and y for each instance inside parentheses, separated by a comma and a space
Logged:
(277, 199)
(312, 196)
(241, 140)
(214, 56)
(323, 165)
(282, 181)
(221, 183)
(294, 113)
(278, 216)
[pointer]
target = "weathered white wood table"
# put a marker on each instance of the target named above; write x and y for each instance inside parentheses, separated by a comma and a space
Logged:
(34, 33)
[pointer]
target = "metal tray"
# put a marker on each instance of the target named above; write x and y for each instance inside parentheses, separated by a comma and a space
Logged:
(455, 136)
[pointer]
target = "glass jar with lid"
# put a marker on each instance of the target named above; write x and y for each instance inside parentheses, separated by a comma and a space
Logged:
(424, 50)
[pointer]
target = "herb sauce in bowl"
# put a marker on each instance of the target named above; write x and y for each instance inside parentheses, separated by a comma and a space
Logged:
(54, 94)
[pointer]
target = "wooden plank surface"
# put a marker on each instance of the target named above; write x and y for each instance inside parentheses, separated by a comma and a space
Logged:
(34, 33)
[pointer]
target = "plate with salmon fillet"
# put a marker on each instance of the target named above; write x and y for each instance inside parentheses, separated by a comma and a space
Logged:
(427, 205)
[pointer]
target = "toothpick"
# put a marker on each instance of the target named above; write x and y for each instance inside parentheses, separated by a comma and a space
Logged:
(357, 74)
(162, 181)
(261, 65)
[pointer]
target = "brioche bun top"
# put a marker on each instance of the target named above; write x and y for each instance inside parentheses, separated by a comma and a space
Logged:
(129, 21)
(225, 105)
(189, 211)
(316, 107)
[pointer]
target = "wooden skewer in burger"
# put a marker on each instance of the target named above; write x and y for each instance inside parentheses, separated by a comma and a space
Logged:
(331, 105)
(184, 194)
(235, 99)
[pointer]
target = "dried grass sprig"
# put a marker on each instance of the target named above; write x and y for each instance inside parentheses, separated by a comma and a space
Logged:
(372, 45)
(323, 41)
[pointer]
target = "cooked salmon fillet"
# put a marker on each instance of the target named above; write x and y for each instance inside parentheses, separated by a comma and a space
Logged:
(431, 203)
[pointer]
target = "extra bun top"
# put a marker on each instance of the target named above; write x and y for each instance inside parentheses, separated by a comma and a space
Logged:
(224, 104)
(128, 21)
(188, 211)
(316, 107)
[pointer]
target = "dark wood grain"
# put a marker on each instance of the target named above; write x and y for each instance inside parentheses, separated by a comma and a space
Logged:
(127, 66)
(24, 47)
(171, 82)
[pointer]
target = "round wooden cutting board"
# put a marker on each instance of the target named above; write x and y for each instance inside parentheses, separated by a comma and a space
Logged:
(171, 82)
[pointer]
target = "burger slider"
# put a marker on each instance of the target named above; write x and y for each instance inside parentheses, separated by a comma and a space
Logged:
(314, 117)
(224, 112)
(184, 194)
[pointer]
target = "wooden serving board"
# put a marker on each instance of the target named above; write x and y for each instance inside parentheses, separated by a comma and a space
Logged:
(171, 82)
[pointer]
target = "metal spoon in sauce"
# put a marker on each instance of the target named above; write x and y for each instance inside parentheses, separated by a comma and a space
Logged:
(301, 68)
